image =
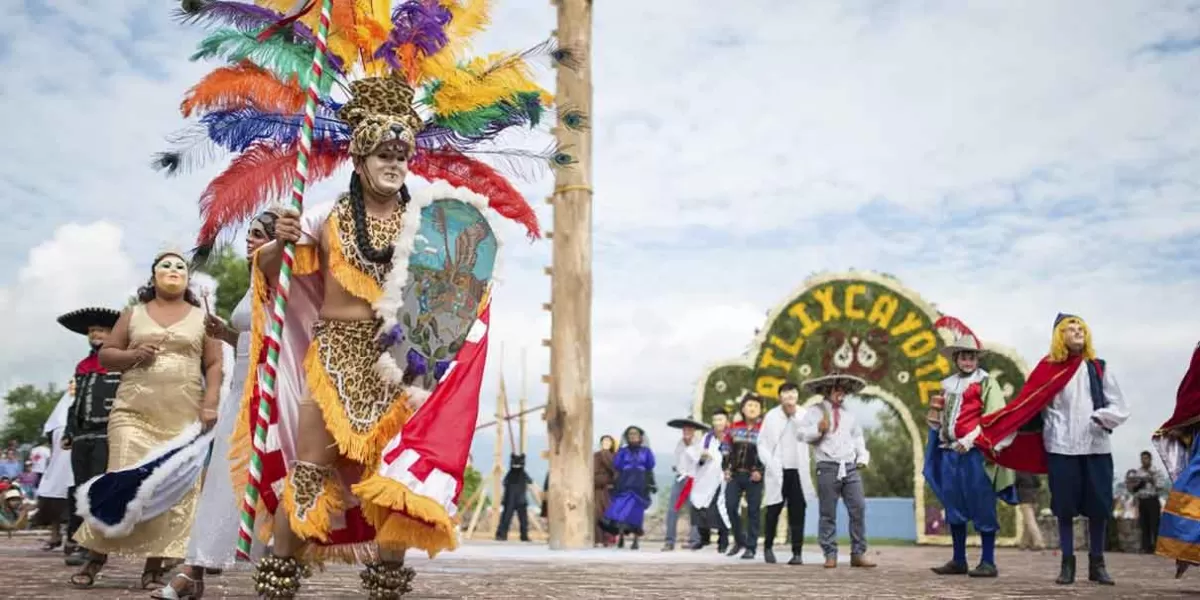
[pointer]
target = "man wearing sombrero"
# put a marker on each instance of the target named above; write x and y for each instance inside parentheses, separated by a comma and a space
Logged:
(86, 433)
(1080, 404)
(840, 451)
(687, 459)
(963, 481)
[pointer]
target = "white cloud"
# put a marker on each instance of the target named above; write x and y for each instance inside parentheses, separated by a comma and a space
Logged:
(1006, 162)
(80, 266)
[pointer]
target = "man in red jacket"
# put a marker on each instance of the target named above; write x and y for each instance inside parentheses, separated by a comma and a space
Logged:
(1080, 403)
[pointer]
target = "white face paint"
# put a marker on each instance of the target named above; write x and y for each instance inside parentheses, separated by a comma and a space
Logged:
(384, 170)
(171, 275)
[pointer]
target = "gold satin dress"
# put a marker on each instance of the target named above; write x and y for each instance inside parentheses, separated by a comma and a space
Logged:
(154, 404)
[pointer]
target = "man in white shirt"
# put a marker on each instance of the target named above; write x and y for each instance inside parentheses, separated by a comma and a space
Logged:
(786, 478)
(840, 451)
(1080, 403)
(687, 456)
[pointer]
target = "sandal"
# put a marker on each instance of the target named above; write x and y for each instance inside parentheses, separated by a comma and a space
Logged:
(86, 577)
(192, 590)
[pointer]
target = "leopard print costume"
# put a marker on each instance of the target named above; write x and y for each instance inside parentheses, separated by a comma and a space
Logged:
(353, 397)
(340, 237)
(308, 482)
(380, 110)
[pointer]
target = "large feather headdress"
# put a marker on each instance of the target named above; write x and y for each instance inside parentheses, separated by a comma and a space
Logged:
(252, 106)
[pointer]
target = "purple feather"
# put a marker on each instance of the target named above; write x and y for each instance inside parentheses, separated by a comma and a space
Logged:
(393, 337)
(439, 369)
(251, 18)
(417, 365)
(418, 22)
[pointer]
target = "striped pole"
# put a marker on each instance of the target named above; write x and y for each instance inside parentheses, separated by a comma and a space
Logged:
(267, 401)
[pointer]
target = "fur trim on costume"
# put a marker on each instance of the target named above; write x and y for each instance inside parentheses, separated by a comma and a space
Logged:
(389, 305)
(190, 446)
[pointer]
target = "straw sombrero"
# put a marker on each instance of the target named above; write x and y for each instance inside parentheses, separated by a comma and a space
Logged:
(967, 343)
(852, 384)
(79, 320)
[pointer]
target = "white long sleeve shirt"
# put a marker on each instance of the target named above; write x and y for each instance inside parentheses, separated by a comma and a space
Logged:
(1067, 422)
(687, 456)
(844, 443)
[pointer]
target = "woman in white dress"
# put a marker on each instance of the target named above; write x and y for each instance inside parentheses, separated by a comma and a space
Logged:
(213, 546)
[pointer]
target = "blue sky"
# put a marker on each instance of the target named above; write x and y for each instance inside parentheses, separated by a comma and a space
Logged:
(1007, 162)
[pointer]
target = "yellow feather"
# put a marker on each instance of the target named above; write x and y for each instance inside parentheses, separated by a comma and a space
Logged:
(467, 18)
(483, 82)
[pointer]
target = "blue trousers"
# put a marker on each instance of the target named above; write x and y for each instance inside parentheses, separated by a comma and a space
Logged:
(966, 490)
(1080, 485)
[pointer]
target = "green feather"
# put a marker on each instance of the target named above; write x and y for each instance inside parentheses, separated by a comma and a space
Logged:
(284, 58)
(474, 122)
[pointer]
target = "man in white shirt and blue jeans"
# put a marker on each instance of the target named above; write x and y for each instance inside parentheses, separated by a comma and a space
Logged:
(840, 450)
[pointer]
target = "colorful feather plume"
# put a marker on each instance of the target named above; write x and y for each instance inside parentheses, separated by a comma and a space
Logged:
(245, 85)
(252, 104)
(284, 58)
(260, 175)
(418, 31)
(463, 171)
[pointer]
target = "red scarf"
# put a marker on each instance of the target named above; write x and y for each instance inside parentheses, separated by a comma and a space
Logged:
(1027, 452)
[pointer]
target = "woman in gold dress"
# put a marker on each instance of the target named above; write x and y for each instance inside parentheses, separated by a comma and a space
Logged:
(170, 379)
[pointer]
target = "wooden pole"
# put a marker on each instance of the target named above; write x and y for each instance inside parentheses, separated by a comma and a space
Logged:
(569, 415)
(497, 477)
(521, 407)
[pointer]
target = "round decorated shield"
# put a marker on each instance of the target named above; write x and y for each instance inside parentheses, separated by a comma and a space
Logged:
(449, 269)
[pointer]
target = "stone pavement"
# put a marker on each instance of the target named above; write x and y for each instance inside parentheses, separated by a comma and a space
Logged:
(525, 571)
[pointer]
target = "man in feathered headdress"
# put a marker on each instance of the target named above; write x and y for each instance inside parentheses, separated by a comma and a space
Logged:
(388, 300)
(86, 432)
(963, 481)
(1080, 404)
(353, 397)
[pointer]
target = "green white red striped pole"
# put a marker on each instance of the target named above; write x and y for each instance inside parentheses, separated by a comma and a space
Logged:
(279, 306)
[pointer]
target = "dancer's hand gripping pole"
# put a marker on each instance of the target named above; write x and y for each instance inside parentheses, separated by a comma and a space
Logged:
(267, 401)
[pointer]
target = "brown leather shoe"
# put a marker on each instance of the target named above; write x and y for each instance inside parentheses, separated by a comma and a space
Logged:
(830, 562)
(858, 560)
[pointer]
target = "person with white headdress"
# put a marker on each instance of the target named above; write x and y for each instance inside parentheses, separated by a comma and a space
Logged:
(840, 451)
(158, 430)
(53, 490)
(961, 477)
(786, 479)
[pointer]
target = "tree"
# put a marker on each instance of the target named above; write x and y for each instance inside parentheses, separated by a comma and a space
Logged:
(471, 481)
(890, 474)
(232, 273)
(28, 409)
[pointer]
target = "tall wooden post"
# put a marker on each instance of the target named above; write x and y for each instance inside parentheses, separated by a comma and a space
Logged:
(521, 408)
(497, 477)
(569, 411)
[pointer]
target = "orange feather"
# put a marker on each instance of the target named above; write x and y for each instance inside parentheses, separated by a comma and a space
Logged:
(241, 86)
(261, 174)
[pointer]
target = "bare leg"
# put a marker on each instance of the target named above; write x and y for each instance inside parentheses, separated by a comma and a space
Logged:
(278, 576)
(316, 446)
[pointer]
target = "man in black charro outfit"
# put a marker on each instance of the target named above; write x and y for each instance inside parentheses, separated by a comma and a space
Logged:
(86, 433)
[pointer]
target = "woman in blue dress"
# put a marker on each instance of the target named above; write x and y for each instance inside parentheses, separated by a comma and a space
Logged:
(635, 486)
